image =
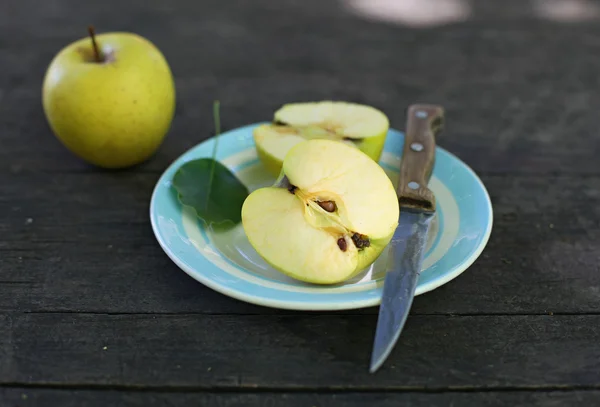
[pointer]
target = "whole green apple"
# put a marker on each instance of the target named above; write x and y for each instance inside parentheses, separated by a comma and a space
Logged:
(110, 98)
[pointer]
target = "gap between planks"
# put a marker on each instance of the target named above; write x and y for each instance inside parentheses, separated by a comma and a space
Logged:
(316, 314)
(308, 389)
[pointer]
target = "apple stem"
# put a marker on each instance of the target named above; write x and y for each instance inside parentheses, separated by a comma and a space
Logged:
(94, 44)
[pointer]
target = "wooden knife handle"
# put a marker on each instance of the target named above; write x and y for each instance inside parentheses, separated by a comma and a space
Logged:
(423, 124)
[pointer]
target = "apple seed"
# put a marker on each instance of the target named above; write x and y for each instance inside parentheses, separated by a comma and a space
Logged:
(342, 244)
(329, 206)
(361, 241)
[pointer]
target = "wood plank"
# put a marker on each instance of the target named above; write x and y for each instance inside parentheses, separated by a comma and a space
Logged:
(298, 352)
(28, 397)
(513, 105)
(82, 242)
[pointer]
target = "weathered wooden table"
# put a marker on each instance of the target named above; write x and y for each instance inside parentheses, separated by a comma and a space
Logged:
(94, 313)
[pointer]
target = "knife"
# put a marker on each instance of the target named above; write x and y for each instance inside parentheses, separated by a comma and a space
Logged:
(407, 247)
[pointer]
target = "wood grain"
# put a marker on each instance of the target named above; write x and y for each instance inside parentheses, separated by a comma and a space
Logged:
(92, 312)
(89, 247)
(298, 352)
(417, 164)
(513, 106)
(28, 397)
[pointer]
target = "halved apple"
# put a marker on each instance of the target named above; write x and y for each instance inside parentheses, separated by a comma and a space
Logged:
(362, 126)
(329, 215)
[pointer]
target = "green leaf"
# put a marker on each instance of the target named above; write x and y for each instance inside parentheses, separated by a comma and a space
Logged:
(209, 187)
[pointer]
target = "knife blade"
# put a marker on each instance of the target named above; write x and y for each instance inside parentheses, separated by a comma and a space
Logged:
(407, 246)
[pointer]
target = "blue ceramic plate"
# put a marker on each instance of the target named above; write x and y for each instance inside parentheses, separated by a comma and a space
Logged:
(226, 262)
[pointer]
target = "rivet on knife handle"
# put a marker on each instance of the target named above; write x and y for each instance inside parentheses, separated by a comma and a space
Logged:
(424, 122)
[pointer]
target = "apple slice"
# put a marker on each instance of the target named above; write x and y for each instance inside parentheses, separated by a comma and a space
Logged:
(329, 215)
(362, 126)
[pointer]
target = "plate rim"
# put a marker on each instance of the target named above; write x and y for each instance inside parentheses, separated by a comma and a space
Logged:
(244, 296)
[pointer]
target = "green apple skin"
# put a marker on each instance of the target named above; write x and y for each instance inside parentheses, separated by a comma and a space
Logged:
(114, 113)
(269, 161)
(372, 146)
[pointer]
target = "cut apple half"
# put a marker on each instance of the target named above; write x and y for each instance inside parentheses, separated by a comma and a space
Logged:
(329, 215)
(361, 126)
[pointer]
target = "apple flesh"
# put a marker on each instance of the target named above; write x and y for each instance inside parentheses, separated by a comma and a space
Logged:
(329, 215)
(113, 113)
(273, 142)
(361, 126)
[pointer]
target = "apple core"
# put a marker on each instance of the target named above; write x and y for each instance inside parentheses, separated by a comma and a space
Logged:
(329, 215)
